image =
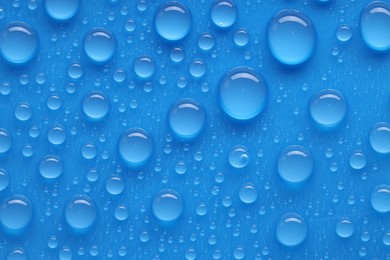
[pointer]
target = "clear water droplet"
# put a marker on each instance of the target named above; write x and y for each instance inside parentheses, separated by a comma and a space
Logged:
(96, 105)
(88, 151)
(23, 111)
(344, 33)
(4, 179)
(374, 25)
(17, 254)
(187, 118)
(167, 205)
(177, 54)
(99, 45)
(62, 10)
(295, 28)
(121, 212)
(291, 230)
(239, 157)
(357, 160)
(16, 213)
(386, 239)
(197, 69)
(56, 135)
(248, 193)
(144, 66)
(5, 141)
(75, 71)
(206, 42)
(295, 164)
(173, 21)
(224, 13)
(241, 37)
(181, 168)
(115, 185)
(136, 147)
(243, 93)
(345, 228)
(18, 43)
(54, 102)
(80, 213)
(380, 198)
(380, 138)
(51, 167)
(201, 209)
(328, 108)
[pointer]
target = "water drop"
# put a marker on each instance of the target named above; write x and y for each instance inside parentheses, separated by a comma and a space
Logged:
(380, 198)
(177, 54)
(291, 230)
(345, 228)
(18, 43)
(201, 209)
(5, 141)
(75, 71)
(53, 242)
(144, 66)
(62, 10)
(121, 212)
(80, 213)
(23, 111)
(56, 135)
(173, 21)
(344, 33)
(96, 105)
(206, 42)
(17, 254)
(99, 45)
(119, 75)
(187, 118)
(248, 193)
(241, 37)
(243, 93)
(357, 160)
(374, 25)
(167, 205)
(328, 108)
(136, 147)
(115, 184)
(130, 25)
(386, 239)
(295, 164)
(181, 168)
(239, 156)
(88, 151)
(4, 179)
(197, 69)
(51, 167)
(223, 13)
(54, 102)
(296, 29)
(16, 213)
(380, 138)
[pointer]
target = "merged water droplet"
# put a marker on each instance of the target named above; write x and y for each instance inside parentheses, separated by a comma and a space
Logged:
(16, 213)
(187, 118)
(62, 10)
(5, 141)
(345, 228)
(248, 193)
(51, 167)
(167, 205)
(136, 147)
(115, 184)
(374, 25)
(18, 42)
(96, 105)
(380, 198)
(296, 29)
(99, 45)
(291, 230)
(144, 66)
(23, 111)
(173, 21)
(224, 13)
(380, 138)
(239, 157)
(295, 164)
(358, 160)
(328, 108)
(242, 93)
(80, 213)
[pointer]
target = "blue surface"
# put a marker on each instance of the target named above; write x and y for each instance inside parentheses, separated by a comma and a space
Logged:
(117, 140)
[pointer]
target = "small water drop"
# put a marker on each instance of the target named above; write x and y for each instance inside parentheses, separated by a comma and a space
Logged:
(96, 105)
(99, 45)
(344, 33)
(115, 184)
(357, 160)
(345, 228)
(80, 213)
(291, 230)
(56, 135)
(206, 42)
(167, 205)
(248, 193)
(380, 198)
(241, 37)
(62, 10)
(51, 167)
(5, 141)
(224, 13)
(4, 179)
(16, 213)
(144, 66)
(23, 111)
(121, 212)
(197, 69)
(17, 253)
(239, 157)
